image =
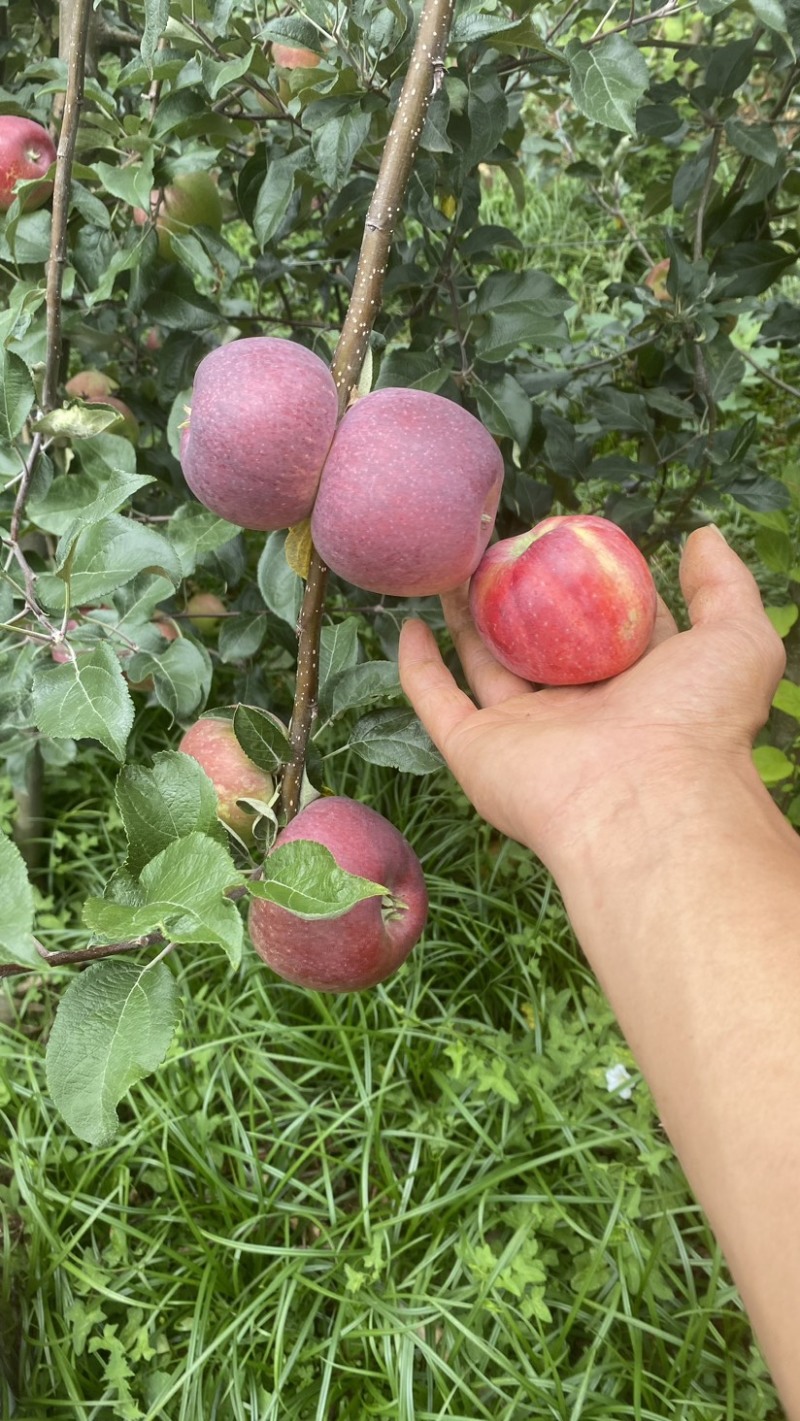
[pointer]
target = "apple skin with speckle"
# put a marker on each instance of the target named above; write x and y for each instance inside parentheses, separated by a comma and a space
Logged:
(567, 604)
(262, 417)
(408, 496)
(366, 944)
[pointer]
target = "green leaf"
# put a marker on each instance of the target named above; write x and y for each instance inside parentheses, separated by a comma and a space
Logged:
(519, 308)
(776, 549)
(131, 183)
(396, 738)
(608, 81)
(281, 589)
(275, 194)
(16, 920)
(107, 555)
(181, 676)
(164, 802)
(156, 14)
(304, 878)
(85, 699)
(262, 737)
(85, 498)
(772, 765)
(755, 140)
(114, 1025)
(506, 409)
(240, 636)
(336, 143)
(182, 896)
(339, 649)
(78, 421)
(195, 533)
(216, 75)
(748, 268)
(294, 31)
(783, 618)
(16, 395)
(360, 685)
(487, 113)
(787, 698)
(772, 14)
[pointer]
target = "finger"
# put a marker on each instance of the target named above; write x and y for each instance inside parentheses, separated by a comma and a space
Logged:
(715, 582)
(664, 626)
(490, 681)
(433, 693)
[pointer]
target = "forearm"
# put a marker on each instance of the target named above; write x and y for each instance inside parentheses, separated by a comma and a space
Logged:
(687, 904)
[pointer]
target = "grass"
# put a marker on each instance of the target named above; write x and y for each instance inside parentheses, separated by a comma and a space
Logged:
(420, 1202)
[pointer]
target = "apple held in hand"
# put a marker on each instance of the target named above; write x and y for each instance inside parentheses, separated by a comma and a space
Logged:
(569, 603)
(213, 744)
(26, 152)
(408, 495)
(262, 418)
(371, 940)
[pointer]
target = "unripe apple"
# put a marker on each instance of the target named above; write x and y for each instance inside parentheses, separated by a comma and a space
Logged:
(192, 200)
(656, 280)
(570, 602)
(205, 610)
(26, 152)
(58, 651)
(371, 940)
(408, 495)
(287, 57)
(263, 414)
(213, 744)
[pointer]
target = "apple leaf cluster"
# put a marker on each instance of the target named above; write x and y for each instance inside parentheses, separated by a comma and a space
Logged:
(638, 380)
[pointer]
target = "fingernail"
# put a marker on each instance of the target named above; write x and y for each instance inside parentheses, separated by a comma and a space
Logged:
(715, 529)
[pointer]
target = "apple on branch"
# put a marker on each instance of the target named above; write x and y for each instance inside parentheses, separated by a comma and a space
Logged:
(262, 417)
(191, 200)
(26, 152)
(95, 387)
(571, 602)
(368, 942)
(408, 495)
(213, 744)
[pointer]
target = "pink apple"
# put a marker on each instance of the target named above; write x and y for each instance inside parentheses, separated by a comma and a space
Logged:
(26, 152)
(570, 602)
(262, 417)
(288, 57)
(213, 744)
(373, 938)
(408, 495)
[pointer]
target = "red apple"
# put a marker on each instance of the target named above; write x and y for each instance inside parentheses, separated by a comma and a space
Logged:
(205, 610)
(286, 57)
(263, 414)
(26, 152)
(192, 200)
(570, 602)
(656, 280)
(213, 744)
(408, 495)
(371, 940)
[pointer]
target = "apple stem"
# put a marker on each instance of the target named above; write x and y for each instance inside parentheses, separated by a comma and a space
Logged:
(422, 81)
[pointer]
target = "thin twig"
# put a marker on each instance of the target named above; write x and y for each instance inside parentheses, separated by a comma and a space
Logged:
(424, 75)
(768, 375)
(61, 196)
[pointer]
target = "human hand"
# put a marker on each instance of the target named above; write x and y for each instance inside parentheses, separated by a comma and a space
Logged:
(549, 766)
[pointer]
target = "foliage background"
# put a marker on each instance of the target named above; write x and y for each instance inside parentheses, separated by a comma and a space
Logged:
(426, 1202)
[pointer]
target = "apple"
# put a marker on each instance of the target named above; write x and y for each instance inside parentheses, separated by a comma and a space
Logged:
(371, 940)
(95, 388)
(656, 280)
(26, 152)
(170, 632)
(192, 200)
(205, 610)
(408, 494)
(213, 744)
(58, 651)
(263, 414)
(568, 603)
(286, 57)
